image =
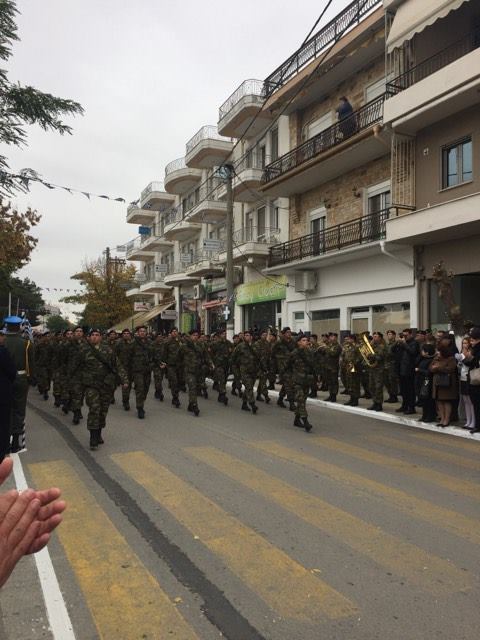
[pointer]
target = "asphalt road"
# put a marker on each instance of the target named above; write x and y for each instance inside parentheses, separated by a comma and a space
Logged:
(244, 527)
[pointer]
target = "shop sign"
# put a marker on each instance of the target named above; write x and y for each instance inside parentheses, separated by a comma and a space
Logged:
(262, 290)
(161, 268)
(144, 231)
(186, 258)
(213, 245)
(218, 284)
(142, 306)
(169, 314)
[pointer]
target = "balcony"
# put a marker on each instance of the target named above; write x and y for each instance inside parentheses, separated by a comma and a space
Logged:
(135, 293)
(135, 215)
(136, 251)
(207, 149)
(252, 243)
(154, 197)
(155, 285)
(156, 241)
(205, 265)
(179, 275)
(442, 85)
(179, 178)
(243, 110)
(177, 227)
(344, 146)
(208, 210)
(306, 249)
(319, 43)
(248, 177)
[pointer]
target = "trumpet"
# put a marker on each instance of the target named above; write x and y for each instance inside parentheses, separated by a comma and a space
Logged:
(366, 350)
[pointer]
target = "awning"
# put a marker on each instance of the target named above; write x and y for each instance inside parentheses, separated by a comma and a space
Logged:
(156, 311)
(414, 15)
(130, 323)
(213, 304)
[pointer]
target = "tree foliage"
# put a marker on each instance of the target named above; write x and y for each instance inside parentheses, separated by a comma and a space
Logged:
(26, 297)
(24, 105)
(57, 323)
(16, 242)
(104, 297)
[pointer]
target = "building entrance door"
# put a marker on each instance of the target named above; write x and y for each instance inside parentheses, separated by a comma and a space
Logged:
(360, 320)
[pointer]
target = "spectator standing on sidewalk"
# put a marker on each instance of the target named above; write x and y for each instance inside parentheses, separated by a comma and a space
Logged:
(463, 370)
(474, 363)
(445, 381)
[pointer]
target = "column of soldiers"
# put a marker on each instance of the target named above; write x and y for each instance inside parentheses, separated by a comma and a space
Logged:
(76, 365)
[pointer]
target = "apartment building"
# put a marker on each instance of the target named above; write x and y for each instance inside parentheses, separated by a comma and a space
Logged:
(337, 175)
(433, 90)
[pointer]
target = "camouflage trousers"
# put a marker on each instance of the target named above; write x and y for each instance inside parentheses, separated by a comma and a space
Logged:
(126, 392)
(192, 381)
(352, 385)
(365, 380)
(158, 376)
(57, 383)
(237, 379)
(391, 380)
(65, 388)
(262, 387)
(287, 386)
(173, 380)
(98, 403)
(77, 393)
(331, 380)
(301, 392)
(43, 379)
(141, 383)
(375, 384)
(248, 380)
(220, 377)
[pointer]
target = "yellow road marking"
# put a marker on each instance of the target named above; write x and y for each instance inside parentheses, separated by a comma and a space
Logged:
(451, 521)
(123, 597)
(282, 583)
(426, 570)
(471, 446)
(456, 485)
(434, 454)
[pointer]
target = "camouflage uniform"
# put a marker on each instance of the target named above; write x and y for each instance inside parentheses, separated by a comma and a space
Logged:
(301, 365)
(272, 372)
(64, 353)
(237, 378)
(391, 370)
(56, 352)
(376, 379)
(351, 360)
(74, 374)
(332, 351)
(141, 360)
(221, 351)
(193, 357)
(263, 351)
(99, 378)
(245, 358)
(123, 351)
(158, 371)
(171, 352)
(280, 353)
(43, 365)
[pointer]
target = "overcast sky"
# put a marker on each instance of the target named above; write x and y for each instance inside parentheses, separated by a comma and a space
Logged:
(149, 74)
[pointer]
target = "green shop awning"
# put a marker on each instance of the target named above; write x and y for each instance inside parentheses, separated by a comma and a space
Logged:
(263, 290)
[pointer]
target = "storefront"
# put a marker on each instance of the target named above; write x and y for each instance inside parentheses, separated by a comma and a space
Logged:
(214, 305)
(190, 310)
(261, 302)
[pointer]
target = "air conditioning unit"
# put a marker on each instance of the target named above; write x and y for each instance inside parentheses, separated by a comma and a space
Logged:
(305, 281)
(198, 291)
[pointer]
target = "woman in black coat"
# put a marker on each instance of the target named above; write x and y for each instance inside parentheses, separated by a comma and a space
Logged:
(8, 373)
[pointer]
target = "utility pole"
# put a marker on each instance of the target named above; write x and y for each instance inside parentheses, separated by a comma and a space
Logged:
(107, 264)
(229, 311)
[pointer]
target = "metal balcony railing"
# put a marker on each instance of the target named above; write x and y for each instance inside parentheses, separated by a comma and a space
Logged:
(179, 163)
(131, 208)
(252, 159)
(369, 228)
(262, 235)
(202, 256)
(437, 61)
(247, 88)
(131, 246)
(153, 186)
(174, 215)
(352, 15)
(364, 118)
(208, 132)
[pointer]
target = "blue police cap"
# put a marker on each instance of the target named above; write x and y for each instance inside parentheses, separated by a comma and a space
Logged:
(13, 320)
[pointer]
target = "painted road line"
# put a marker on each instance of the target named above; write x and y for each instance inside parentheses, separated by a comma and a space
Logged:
(57, 614)
(430, 573)
(456, 485)
(456, 443)
(451, 521)
(283, 584)
(433, 454)
(124, 599)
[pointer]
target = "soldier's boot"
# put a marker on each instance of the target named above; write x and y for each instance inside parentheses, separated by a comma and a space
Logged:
(331, 398)
(195, 410)
(215, 386)
(234, 389)
(45, 395)
(298, 421)
(245, 406)
(100, 439)
(306, 425)
(126, 405)
(391, 399)
(281, 403)
(376, 406)
(76, 416)
(254, 408)
(354, 402)
(271, 387)
(205, 393)
(175, 401)
(293, 406)
(313, 393)
(267, 398)
(57, 402)
(379, 406)
(366, 396)
(94, 433)
(65, 408)
(348, 403)
(259, 397)
(159, 395)
(190, 405)
(141, 413)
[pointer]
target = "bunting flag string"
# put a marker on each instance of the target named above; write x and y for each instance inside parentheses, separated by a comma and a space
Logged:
(57, 290)
(26, 176)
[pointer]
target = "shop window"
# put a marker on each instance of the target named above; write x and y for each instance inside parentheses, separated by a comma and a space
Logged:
(325, 321)
(391, 316)
(457, 163)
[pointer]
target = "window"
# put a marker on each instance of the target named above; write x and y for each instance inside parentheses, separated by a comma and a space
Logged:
(261, 223)
(391, 316)
(318, 220)
(375, 89)
(457, 163)
(274, 211)
(325, 321)
(317, 126)
(378, 197)
(274, 144)
(262, 154)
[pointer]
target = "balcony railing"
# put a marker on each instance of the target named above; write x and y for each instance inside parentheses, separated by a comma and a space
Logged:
(352, 15)
(153, 186)
(202, 256)
(360, 120)
(362, 230)
(208, 132)
(252, 159)
(247, 88)
(179, 163)
(262, 235)
(434, 63)
(174, 215)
